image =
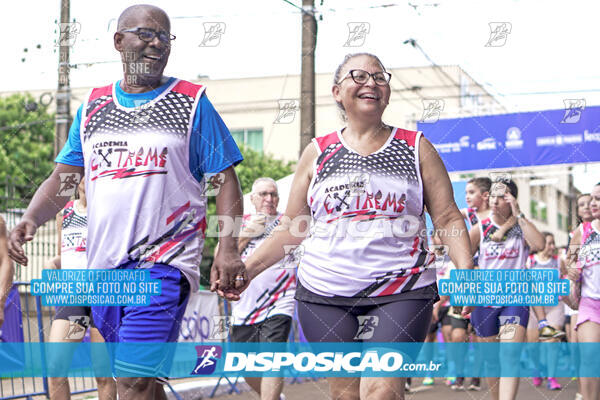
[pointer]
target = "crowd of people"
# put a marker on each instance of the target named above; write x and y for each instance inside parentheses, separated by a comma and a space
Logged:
(368, 172)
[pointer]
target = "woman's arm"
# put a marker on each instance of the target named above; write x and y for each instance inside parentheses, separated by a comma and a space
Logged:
(294, 225)
(439, 199)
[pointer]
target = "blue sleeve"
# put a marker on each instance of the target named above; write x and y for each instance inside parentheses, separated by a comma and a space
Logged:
(212, 148)
(72, 153)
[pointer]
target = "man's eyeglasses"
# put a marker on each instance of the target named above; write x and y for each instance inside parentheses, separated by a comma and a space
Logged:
(361, 77)
(265, 194)
(148, 35)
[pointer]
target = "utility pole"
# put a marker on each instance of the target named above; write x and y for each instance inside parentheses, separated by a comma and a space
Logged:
(63, 92)
(307, 75)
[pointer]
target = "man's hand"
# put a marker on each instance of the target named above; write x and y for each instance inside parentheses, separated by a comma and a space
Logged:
(256, 226)
(228, 275)
(514, 204)
(466, 311)
(20, 234)
(574, 274)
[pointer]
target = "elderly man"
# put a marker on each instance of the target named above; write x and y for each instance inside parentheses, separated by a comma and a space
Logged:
(265, 309)
(145, 145)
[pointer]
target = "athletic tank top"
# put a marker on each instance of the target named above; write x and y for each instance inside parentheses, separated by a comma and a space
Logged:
(368, 235)
(534, 262)
(271, 292)
(73, 238)
(511, 253)
(472, 216)
(589, 260)
(144, 204)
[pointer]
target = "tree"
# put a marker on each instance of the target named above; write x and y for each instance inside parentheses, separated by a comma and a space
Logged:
(255, 165)
(26, 147)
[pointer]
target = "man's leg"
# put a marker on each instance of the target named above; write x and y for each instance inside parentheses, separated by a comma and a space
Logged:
(58, 387)
(69, 326)
(275, 329)
(107, 387)
(159, 323)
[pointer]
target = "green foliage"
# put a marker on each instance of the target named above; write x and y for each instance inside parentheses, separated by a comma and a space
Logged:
(254, 166)
(26, 146)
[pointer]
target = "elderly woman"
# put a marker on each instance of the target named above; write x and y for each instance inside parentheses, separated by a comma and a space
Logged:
(365, 188)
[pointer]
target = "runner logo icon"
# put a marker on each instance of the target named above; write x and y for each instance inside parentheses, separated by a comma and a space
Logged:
(207, 359)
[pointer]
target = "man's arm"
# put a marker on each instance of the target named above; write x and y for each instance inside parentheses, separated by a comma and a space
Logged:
(7, 270)
(47, 201)
(227, 264)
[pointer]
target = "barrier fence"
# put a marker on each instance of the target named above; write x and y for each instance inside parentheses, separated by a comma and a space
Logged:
(27, 320)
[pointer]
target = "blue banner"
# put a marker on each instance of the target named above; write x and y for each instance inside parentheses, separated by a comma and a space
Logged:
(517, 140)
(178, 360)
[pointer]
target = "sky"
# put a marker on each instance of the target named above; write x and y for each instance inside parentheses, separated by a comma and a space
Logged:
(549, 54)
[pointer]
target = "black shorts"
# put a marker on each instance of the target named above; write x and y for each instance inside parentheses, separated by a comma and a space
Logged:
(443, 319)
(273, 329)
(462, 323)
(80, 315)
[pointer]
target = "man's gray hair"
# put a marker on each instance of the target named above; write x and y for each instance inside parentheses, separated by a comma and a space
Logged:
(263, 179)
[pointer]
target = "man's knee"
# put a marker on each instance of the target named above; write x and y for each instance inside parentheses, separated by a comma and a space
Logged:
(104, 381)
(135, 385)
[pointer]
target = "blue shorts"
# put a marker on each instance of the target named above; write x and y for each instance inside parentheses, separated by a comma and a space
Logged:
(487, 320)
(158, 322)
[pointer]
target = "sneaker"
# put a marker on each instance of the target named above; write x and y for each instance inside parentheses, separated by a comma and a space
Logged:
(459, 384)
(407, 386)
(537, 382)
(549, 332)
(553, 384)
(578, 396)
(450, 381)
(282, 396)
(428, 382)
(475, 384)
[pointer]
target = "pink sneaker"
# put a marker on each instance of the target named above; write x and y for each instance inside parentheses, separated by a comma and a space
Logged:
(553, 384)
(537, 382)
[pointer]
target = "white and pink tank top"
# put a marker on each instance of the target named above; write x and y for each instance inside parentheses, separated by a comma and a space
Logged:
(535, 262)
(73, 238)
(589, 260)
(511, 253)
(368, 235)
(144, 204)
(271, 292)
